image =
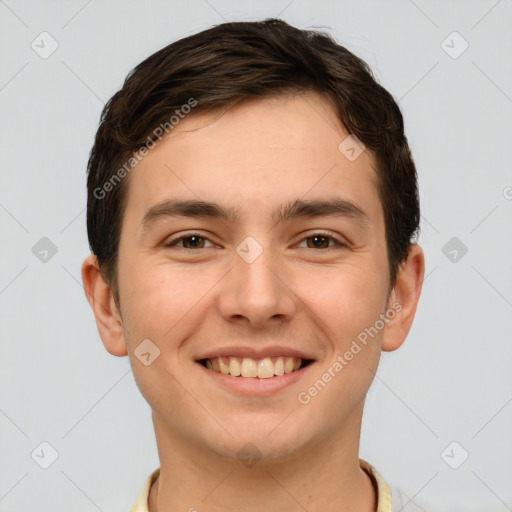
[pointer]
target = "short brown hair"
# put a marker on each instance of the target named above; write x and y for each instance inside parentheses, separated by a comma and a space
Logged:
(230, 63)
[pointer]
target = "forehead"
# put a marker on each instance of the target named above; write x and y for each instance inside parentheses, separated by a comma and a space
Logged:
(253, 154)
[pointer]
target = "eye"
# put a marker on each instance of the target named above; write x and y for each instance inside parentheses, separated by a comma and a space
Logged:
(321, 240)
(193, 241)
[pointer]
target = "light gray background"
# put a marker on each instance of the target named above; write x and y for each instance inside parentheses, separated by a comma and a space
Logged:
(450, 381)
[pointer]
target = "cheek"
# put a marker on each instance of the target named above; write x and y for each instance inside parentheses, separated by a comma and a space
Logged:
(162, 306)
(159, 301)
(349, 304)
(348, 298)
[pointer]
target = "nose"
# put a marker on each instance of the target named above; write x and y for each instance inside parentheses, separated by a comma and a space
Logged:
(258, 293)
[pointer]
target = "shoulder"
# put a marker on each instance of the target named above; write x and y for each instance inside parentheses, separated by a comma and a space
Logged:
(401, 503)
(142, 502)
(390, 498)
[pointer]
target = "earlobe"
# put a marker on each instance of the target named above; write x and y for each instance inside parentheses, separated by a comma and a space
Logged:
(404, 296)
(100, 298)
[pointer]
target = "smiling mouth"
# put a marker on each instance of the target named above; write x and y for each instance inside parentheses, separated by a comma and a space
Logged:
(246, 367)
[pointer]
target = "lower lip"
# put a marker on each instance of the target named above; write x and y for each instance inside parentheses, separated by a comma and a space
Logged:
(254, 386)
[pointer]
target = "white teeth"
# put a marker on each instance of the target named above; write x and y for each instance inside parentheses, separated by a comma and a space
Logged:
(249, 368)
(264, 368)
(279, 366)
(234, 367)
(224, 368)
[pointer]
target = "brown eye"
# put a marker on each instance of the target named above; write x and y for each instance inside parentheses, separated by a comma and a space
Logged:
(318, 242)
(188, 242)
(193, 242)
(322, 241)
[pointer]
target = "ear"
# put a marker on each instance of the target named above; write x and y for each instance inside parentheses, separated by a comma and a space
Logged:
(101, 299)
(404, 298)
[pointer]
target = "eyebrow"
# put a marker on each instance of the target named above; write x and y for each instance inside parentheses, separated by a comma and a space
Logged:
(335, 207)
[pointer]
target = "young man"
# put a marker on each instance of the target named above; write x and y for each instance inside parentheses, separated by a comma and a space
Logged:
(252, 203)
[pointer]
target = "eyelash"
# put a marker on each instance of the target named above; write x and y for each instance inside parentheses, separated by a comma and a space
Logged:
(338, 243)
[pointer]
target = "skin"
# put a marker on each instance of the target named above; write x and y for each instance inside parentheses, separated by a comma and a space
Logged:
(187, 300)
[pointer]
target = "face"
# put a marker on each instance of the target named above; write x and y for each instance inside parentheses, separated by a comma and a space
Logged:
(284, 269)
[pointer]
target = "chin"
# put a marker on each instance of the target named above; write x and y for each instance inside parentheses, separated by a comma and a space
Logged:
(264, 441)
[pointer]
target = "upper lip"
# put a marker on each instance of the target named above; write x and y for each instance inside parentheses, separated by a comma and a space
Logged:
(253, 353)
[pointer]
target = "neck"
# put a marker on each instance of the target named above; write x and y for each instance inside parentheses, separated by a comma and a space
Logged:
(323, 476)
